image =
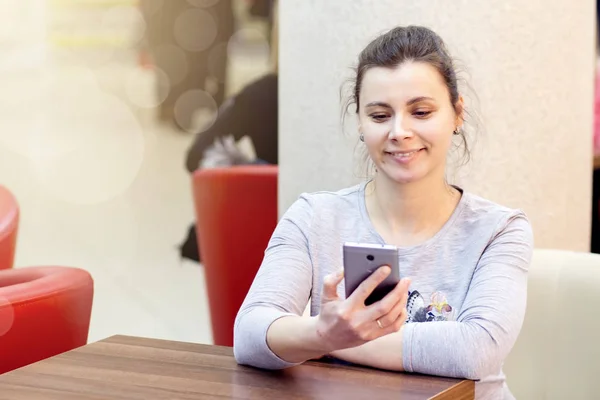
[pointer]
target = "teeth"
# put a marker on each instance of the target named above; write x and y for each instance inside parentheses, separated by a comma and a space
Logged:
(403, 155)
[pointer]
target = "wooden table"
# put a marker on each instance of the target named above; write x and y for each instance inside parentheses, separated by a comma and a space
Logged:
(123, 367)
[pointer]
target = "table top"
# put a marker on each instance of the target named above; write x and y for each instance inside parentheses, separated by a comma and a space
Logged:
(128, 368)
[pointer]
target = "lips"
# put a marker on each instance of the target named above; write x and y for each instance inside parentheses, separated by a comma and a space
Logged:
(404, 156)
(403, 153)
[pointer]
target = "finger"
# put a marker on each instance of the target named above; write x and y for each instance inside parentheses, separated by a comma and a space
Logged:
(368, 285)
(388, 309)
(382, 307)
(402, 317)
(330, 284)
(396, 325)
(383, 330)
(394, 314)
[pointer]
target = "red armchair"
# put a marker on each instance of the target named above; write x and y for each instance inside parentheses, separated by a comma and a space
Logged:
(236, 213)
(44, 311)
(9, 221)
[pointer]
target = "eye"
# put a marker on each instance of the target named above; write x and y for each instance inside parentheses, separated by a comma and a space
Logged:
(379, 117)
(421, 114)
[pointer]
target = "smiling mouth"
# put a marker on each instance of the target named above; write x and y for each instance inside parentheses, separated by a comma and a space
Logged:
(403, 154)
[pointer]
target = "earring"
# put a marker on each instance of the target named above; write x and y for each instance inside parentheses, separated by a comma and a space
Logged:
(456, 131)
(362, 137)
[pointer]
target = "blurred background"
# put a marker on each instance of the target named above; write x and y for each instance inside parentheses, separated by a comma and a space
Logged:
(100, 102)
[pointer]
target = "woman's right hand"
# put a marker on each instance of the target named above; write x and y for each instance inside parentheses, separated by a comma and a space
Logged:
(349, 323)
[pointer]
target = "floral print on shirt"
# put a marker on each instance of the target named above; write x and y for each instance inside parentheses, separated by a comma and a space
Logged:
(436, 309)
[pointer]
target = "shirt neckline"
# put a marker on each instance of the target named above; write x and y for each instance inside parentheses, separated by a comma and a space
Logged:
(414, 248)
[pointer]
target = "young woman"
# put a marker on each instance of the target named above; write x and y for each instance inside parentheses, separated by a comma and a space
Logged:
(464, 260)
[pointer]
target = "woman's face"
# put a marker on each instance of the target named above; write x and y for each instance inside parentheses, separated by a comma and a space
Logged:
(407, 120)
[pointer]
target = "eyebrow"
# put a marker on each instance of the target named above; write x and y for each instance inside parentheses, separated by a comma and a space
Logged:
(408, 103)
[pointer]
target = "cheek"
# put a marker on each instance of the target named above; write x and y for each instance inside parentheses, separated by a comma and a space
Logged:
(375, 131)
(437, 131)
(375, 136)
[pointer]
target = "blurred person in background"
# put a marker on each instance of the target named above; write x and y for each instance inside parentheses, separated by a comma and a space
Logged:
(252, 114)
(180, 32)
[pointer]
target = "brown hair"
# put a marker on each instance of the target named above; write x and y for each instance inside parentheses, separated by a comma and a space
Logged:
(405, 44)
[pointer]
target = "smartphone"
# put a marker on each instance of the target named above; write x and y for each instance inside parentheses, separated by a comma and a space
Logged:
(361, 260)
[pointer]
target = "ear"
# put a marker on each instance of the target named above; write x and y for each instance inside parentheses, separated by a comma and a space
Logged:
(459, 109)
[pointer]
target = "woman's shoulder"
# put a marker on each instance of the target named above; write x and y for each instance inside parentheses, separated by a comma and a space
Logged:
(313, 211)
(485, 214)
(484, 207)
(326, 200)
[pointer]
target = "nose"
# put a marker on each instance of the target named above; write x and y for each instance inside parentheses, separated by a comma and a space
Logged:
(400, 129)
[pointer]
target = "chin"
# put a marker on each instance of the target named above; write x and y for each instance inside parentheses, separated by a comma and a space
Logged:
(402, 174)
(403, 177)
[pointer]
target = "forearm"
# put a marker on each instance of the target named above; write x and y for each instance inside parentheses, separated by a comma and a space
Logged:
(454, 349)
(252, 340)
(295, 339)
(383, 353)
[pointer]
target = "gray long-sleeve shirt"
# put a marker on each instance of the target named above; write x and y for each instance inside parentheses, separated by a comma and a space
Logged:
(468, 284)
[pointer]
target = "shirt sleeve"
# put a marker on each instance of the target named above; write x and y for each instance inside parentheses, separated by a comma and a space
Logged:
(281, 288)
(476, 344)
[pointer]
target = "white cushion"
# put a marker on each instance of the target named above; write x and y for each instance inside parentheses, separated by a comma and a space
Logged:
(557, 355)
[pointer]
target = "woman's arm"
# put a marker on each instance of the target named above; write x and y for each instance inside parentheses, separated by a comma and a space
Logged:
(295, 339)
(477, 343)
(269, 331)
(383, 353)
(279, 294)
(341, 324)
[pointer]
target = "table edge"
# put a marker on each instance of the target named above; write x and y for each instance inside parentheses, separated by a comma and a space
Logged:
(447, 393)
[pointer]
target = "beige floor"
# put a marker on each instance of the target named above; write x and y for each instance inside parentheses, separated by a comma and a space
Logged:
(100, 184)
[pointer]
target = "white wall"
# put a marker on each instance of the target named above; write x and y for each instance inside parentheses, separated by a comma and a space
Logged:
(529, 63)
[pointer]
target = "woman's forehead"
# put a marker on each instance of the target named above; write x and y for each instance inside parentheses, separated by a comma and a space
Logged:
(409, 80)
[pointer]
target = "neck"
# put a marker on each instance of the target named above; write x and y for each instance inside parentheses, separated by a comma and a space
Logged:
(412, 211)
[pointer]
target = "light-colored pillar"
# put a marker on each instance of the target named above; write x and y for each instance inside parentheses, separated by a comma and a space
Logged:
(530, 65)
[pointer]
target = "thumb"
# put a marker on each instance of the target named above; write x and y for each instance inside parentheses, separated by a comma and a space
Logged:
(330, 284)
